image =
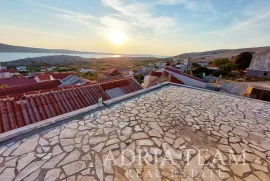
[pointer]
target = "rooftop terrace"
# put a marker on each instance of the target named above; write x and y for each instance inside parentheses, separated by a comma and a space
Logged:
(184, 121)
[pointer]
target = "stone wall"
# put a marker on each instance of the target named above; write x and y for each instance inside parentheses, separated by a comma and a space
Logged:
(261, 61)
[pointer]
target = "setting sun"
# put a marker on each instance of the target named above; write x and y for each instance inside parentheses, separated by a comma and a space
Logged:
(117, 37)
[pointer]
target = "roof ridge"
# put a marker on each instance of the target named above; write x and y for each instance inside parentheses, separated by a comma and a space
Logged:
(47, 91)
(185, 74)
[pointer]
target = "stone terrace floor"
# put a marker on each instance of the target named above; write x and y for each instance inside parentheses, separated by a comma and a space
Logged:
(171, 118)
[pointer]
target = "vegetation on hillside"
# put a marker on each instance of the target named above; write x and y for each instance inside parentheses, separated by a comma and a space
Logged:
(220, 61)
(200, 71)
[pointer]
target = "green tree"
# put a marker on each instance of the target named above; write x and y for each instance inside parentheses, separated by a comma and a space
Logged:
(243, 60)
(226, 68)
(139, 78)
(220, 61)
(194, 64)
(199, 71)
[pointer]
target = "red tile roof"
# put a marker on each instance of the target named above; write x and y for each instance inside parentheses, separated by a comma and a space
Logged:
(159, 74)
(60, 76)
(44, 77)
(112, 70)
(175, 80)
(23, 110)
(31, 87)
(16, 81)
(10, 70)
(47, 76)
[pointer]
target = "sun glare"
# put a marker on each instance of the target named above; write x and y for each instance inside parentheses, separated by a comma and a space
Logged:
(117, 37)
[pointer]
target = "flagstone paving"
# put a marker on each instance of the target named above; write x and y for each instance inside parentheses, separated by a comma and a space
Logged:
(191, 124)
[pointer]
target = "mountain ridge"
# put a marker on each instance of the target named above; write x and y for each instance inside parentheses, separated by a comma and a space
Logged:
(22, 49)
(207, 56)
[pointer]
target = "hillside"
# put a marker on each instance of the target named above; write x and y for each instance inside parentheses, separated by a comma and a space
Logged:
(214, 54)
(101, 64)
(48, 60)
(12, 48)
(21, 49)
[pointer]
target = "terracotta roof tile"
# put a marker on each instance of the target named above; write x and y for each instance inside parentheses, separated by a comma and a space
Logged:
(21, 110)
(29, 88)
(16, 81)
(47, 76)
(10, 70)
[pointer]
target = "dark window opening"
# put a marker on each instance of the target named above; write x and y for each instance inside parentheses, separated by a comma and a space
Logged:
(265, 74)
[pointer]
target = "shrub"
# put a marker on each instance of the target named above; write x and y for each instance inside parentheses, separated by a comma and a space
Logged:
(219, 62)
(199, 71)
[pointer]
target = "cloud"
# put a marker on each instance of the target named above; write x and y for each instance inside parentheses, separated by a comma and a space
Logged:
(85, 19)
(249, 28)
(139, 15)
(197, 6)
(35, 31)
(114, 22)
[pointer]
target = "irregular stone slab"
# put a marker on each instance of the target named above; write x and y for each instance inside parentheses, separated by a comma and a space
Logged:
(72, 125)
(87, 178)
(8, 174)
(57, 150)
(155, 125)
(43, 142)
(67, 133)
(29, 169)
(155, 151)
(74, 167)
(65, 142)
(209, 175)
(194, 167)
(54, 161)
(226, 128)
(259, 167)
(108, 130)
(33, 176)
(25, 160)
(99, 147)
(52, 175)
(139, 135)
(28, 146)
(87, 157)
(178, 142)
(237, 148)
(123, 124)
(252, 177)
(265, 145)
(262, 176)
(150, 173)
(240, 132)
(95, 140)
(154, 133)
(127, 131)
(240, 169)
(54, 132)
(112, 141)
(71, 157)
(99, 168)
(145, 142)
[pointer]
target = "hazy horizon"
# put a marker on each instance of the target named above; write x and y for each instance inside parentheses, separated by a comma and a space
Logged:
(152, 27)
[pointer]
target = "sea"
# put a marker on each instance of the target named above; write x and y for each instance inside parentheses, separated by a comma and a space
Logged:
(10, 56)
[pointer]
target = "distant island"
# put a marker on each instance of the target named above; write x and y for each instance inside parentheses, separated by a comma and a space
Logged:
(20, 49)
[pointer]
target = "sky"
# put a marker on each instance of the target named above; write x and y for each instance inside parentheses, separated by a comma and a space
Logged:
(158, 27)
